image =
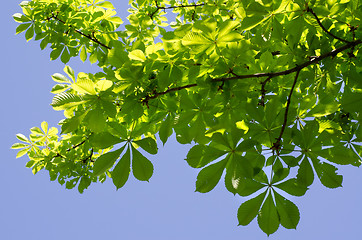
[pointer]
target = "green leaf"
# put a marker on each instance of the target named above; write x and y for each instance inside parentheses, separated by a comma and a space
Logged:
(19, 145)
(142, 168)
(60, 78)
(351, 101)
(166, 129)
(305, 175)
(194, 38)
(122, 170)
(339, 155)
(69, 71)
(96, 120)
(103, 140)
(200, 155)
(292, 187)
(268, 218)
(20, 18)
(249, 210)
(65, 55)
(117, 55)
(288, 212)
(208, 177)
(29, 33)
(84, 86)
(56, 52)
(105, 4)
(327, 174)
(106, 161)
(148, 144)
(137, 55)
(22, 138)
(115, 20)
(22, 152)
(103, 85)
(59, 88)
(66, 100)
(83, 54)
(22, 27)
(248, 186)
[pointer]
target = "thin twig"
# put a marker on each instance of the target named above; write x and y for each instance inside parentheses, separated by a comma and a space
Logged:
(312, 61)
(324, 29)
(92, 38)
(276, 145)
(173, 7)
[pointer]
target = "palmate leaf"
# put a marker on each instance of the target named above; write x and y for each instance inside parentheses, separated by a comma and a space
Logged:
(66, 100)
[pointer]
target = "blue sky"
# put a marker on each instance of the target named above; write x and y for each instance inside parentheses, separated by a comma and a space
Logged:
(32, 207)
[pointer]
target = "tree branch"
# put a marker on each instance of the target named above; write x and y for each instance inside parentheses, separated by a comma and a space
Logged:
(314, 60)
(92, 38)
(173, 7)
(276, 146)
(270, 75)
(324, 29)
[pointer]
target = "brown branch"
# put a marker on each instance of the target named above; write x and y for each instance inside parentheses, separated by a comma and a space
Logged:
(263, 91)
(155, 95)
(312, 61)
(270, 75)
(324, 29)
(276, 146)
(90, 37)
(173, 7)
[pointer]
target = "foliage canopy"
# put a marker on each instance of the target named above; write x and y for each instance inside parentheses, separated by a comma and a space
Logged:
(268, 91)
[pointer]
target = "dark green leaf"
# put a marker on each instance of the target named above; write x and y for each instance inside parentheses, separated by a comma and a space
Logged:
(268, 218)
(288, 212)
(292, 187)
(210, 176)
(106, 161)
(142, 167)
(249, 209)
(200, 155)
(103, 140)
(305, 175)
(122, 170)
(148, 144)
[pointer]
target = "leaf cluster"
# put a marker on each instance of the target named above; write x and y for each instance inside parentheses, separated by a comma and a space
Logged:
(268, 93)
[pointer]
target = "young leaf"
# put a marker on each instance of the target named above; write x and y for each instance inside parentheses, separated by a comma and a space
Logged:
(208, 177)
(106, 161)
(142, 168)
